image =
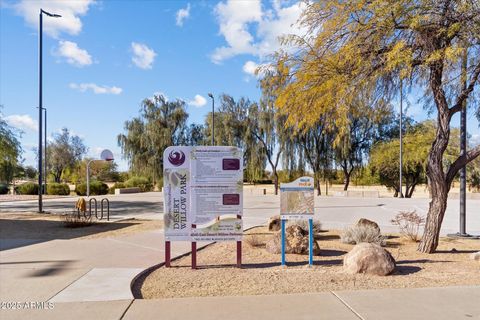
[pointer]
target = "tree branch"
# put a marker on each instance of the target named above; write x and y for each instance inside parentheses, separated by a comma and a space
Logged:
(465, 93)
(462, 161)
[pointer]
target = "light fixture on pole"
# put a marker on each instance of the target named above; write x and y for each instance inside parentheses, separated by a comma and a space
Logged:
(106, 155)
(40, 104)
(213, 118)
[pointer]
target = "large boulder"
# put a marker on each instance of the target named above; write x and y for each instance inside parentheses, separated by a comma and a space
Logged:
(274, 223)
(475, 256)
(368, 223)
(369, 258)
(296, 241)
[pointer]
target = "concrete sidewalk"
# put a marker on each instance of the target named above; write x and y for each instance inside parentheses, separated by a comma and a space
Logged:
(448, 303)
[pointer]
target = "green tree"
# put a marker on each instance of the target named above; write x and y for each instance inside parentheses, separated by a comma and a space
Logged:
(161, 124)
(64, 152)
(355, 44)
(10, 151)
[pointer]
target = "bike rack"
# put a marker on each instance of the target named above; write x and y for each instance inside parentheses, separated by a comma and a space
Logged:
(89, 214)
(90, 207)
(108, 209)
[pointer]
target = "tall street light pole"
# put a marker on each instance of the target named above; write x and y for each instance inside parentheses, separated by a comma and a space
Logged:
(40, 104)
(45, 153)
(401, 138)
(213, 118)
(463, 149)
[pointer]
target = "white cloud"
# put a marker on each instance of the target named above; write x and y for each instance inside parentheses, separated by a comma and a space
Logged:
(143, 56)
(239, 19)
(182, 15)
(251, 67)
(22, 122)
(73, 54)
(198, 101)
(71, 11)
(83, 87)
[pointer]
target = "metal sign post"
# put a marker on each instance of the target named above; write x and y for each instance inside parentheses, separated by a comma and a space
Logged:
(297, 203)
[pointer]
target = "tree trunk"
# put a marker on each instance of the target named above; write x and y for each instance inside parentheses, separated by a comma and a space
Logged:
(346, 179)
(275, 181)
(319, 186)
(436, 212)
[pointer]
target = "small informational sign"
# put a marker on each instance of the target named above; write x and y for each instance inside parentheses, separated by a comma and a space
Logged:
(297, 199)
(203, 190)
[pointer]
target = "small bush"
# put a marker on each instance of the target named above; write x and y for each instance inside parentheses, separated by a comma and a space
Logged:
(3, 188)
(317, 225)
(75, 220)
(117, 185)
(409, 223)
(29, 188)
(254, 240)
(139, 182)
(97, 188)
(362, 233)
(59, 189)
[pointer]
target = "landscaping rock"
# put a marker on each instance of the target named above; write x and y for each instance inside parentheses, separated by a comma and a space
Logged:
(296, 241)
(369, 258)
(274, 223)
(369, 223)
(475, 256)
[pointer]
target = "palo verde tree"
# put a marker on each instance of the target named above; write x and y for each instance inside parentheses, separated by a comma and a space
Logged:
(351, 45)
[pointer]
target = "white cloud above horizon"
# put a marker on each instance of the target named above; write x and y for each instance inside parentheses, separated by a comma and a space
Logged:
(83, 87)
(22, 122)
(70, 11)
(254, 69)
(182, 14)
(198, 101)
(143, 56)
(73, 54)
(238, 19)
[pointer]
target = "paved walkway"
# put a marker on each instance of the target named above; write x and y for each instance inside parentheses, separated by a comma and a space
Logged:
(426, 303)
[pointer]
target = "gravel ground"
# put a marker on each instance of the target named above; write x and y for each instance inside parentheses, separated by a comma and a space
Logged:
(262, 274)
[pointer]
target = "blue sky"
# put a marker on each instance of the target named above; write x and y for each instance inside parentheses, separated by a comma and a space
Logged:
(102, 58)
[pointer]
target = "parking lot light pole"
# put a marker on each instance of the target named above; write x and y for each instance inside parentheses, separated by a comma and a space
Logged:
(40, 104)
(213, 118)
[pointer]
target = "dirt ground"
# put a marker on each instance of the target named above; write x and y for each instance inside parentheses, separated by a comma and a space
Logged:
(49, 226)
(262, 273)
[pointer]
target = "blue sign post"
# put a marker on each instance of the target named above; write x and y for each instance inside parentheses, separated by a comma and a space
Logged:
(297, 203)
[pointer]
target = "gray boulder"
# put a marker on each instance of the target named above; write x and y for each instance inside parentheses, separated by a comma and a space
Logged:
(368, 223)
(296, 241)
(369, 258)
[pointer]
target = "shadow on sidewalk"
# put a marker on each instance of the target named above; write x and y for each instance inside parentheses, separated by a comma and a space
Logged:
(17, 233)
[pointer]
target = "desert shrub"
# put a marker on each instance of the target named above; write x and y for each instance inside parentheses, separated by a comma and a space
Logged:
(27, 188)
(254, 240)
(409, 223)
(317, 225)
(117, 185)
(75, 220)
(60, 189)
(3, 188)
(139, 182)
(362, 233)
(96, 188)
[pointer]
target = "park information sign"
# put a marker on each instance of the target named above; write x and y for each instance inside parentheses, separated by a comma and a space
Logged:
(297, 199)
(203, 193)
